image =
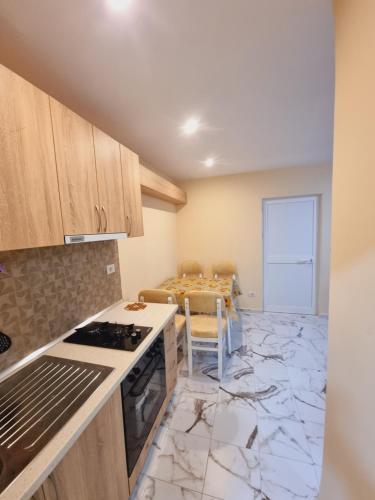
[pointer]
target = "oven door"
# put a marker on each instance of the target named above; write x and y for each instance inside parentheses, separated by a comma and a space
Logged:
(143, 393)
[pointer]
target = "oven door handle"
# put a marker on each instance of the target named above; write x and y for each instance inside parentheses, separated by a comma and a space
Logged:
(136, 394)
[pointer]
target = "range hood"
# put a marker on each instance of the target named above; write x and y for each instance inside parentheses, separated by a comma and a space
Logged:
(86, 238)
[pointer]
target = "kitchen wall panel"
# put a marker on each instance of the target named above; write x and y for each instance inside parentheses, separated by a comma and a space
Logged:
(46, 291)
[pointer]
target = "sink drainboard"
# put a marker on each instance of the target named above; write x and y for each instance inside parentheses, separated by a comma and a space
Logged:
(36, 402)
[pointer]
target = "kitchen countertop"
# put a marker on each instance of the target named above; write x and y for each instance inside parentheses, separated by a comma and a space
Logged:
(155, 315)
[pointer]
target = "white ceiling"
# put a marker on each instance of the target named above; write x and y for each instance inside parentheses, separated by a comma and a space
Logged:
(258, 73)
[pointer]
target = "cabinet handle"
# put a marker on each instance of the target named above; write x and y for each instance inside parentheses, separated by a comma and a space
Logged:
(106, 220)
(99, 219)
(129, 224)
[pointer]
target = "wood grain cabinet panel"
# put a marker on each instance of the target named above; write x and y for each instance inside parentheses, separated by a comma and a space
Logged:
(29, 198)
(170, 356)
(132, 192)
(109, 175)
(95, 467)
(39, 494)
(75, 159)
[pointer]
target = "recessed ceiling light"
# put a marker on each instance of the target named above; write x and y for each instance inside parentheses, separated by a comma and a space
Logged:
(118, 4)
(210, 162)
(191, 126)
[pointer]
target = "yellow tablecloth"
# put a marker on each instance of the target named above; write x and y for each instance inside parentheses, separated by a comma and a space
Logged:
(227, 287)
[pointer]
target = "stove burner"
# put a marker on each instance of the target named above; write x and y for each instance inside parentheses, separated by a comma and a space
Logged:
(110, 335)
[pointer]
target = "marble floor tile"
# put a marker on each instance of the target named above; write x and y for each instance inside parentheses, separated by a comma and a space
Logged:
(274, 399)
(315, 437)
(310, 406)
(193, 416)
(318, 472)
(205, 367)
(149, 488)
(284, 479)
(269, 372)
(238, 393)
(304, 353)
(232, 473)
(283, 437)
(287, 331)
(236, 426)
(307, 380)
(238, 366)
(198, 389)
(312, 332)
(259, 432)
(264, 337)
(271, 361)
(179, 459)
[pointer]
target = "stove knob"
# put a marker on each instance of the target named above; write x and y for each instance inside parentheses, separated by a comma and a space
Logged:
(130, 378)
(138, 332)
(134, 338)
(136, 370)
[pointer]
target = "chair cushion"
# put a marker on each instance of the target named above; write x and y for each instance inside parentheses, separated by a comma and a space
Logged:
(180, 321)
(205, 326)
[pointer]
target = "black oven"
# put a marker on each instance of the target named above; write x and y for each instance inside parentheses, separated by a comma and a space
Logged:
(143, 393)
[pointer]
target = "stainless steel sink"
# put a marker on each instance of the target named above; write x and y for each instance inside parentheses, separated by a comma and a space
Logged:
(36, 402)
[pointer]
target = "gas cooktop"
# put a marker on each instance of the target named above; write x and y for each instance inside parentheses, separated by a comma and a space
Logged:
(110, 335)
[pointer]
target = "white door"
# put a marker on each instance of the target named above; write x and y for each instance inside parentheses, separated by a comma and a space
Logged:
(290, 234)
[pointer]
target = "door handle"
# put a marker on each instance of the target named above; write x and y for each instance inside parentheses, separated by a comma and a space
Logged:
(106, 220)
(308, 261)
(129, 228)
(99, 219)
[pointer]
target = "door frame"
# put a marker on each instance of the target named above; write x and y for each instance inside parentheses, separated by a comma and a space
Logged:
(315, 199)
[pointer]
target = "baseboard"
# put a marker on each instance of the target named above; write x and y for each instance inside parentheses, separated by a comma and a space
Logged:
(248, 309)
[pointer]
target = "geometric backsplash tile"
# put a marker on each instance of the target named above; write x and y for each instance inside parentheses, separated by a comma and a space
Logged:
(47, 291)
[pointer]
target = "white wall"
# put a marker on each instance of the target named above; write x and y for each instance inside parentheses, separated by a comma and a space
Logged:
(148, 260)
(223, 220)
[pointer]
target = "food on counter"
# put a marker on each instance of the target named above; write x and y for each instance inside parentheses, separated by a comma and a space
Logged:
(135, 306)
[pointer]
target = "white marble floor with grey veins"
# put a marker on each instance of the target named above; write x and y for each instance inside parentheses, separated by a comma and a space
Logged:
(256, 435)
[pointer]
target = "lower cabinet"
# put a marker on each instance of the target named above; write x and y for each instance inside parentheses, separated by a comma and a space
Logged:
(170, 348)
(95, 467)
(170, 357)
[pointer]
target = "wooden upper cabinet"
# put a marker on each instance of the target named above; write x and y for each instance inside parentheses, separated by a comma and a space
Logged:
(108, 170)
(29, 198)
(132, 192)
(75, 159)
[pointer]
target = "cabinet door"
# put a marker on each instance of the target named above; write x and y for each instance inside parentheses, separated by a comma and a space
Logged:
(108, 169)
(76, 170)
(30, 214)
(132, 192)
(95, 467)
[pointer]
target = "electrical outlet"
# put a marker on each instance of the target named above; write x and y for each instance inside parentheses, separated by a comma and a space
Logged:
(110, 268)
(251, 294)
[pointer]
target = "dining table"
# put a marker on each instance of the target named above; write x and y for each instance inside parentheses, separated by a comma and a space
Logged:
(227, 287)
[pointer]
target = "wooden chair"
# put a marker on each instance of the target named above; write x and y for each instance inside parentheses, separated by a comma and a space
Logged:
(159, 296)
(225, 269)
(209, 326)
(191, 268)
